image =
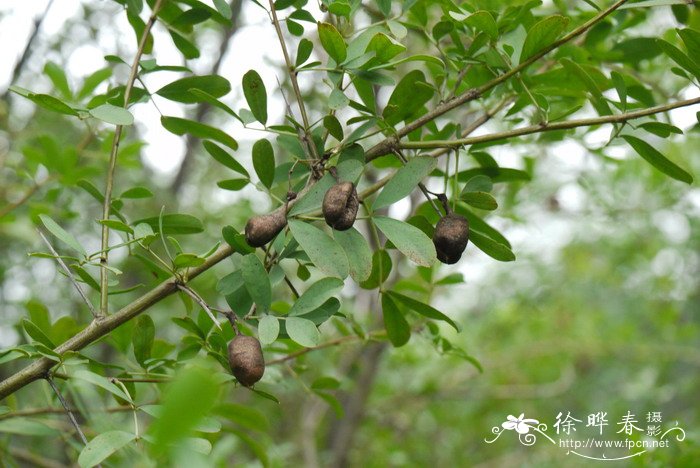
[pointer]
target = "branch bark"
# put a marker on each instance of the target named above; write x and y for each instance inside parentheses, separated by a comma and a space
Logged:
(549, 127)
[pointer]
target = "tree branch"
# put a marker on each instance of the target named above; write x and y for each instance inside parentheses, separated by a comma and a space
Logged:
(67, 408)
(295, 84)
(385, 146)
(99, 328)
(549, 127)
(104, 285)
(68, 273)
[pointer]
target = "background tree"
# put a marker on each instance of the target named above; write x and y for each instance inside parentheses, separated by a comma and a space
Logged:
(546, 125)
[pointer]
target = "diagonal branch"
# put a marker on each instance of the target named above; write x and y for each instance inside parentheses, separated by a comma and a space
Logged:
(68, 273)
(549, 127)
(67, 408)
(385, 146)
(104, 286)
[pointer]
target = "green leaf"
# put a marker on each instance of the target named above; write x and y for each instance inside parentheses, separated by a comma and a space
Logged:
(184, 45)
(116, 225)
(332, 42)
(268, 329)
(661, 129)
(483, 21)
(232, 184)
(61, 234)
(186, 260)
(481, 200)
(93, 81)
(423, 309)
(142, 337)
(384, 47)
(256, 281)
(264, 162)
(410, 94)
(102, 446)
(223, 8)
(179, 91)
(136, 192)
(303, 331)
(337, 100)
(208, 98)
(691, 39)
(381, 267)
(479, 183)
(323, 251)
(410, 240)
(314, 197)
(316, 295)
(542, 34)
(112, 114)
(397, 328)
(331, 123)
(658, 160)
(255, 95)
(102, 382)
(304, 51)
(174, 224)
(58, 78)
(222, 157)
(44, 100)
(36, 333)
(358, 252)
(190, 398)
(351, 163)
(678, 56)
(490, 247)
(405, 180)
(28, 427)
(180, 126)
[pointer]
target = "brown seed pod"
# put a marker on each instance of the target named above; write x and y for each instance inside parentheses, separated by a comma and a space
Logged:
(246, 359)
(262, 229)
(451, 237)
(340, 206)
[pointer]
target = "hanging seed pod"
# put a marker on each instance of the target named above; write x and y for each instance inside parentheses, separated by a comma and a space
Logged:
(451, 237)
(246, 359)
(340, 206)
(262, 229)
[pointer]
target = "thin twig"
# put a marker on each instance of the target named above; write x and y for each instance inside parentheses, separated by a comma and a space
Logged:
(67, 408)
(327, 344)
(549, 127)
(104, 279)
(50, 410)
(308, 139)
(68, 273)
(198, 299)
(295, 293)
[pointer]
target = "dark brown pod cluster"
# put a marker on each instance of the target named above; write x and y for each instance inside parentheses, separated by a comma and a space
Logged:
(451, 237)
(340, 206)
(246, 359)
(262, 229)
